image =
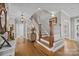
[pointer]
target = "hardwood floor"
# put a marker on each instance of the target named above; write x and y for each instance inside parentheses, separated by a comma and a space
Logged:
(28, 49)
(70, 49)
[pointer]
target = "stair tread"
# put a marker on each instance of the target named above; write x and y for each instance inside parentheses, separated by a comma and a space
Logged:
(43, 49)
(44, 43)
(46, 38)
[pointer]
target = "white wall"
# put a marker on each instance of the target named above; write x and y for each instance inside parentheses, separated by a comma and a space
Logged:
(57, 29)
(65, 25)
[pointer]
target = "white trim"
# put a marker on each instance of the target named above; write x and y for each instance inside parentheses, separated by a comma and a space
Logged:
(44, 46)
(58, 42)
(57, 48)
(51, 49)
(44, 41)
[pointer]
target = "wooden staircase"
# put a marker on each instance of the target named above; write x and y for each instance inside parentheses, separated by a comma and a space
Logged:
(45, 40)
(43, 49)
(43, 45)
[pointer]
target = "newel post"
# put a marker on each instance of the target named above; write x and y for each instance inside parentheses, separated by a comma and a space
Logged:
(52, 22)
(40, 34)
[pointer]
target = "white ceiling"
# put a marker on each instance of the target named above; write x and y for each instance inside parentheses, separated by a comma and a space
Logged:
(16, 9)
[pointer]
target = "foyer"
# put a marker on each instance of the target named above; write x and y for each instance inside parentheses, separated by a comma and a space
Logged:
(39, 29)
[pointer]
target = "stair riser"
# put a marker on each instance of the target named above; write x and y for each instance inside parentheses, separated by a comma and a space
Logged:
(45, 41)
(43, 50)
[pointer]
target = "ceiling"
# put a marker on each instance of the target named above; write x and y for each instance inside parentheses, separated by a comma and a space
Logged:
(16, 9)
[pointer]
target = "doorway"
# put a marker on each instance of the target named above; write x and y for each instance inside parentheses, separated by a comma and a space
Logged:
(21, 30)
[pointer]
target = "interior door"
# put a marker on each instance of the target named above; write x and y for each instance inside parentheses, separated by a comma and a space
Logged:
(19, 30)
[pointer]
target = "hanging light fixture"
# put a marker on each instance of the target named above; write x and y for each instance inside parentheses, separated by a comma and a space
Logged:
(22, 18)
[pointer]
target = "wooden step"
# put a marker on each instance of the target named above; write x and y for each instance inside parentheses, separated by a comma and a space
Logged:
(46, 44)
(46, 38)
(45, 41)
(43, 49)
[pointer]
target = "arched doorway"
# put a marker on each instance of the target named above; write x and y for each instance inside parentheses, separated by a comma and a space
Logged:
(21, 28)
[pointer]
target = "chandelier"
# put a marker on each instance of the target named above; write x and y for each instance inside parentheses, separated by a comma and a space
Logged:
(22, 18)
